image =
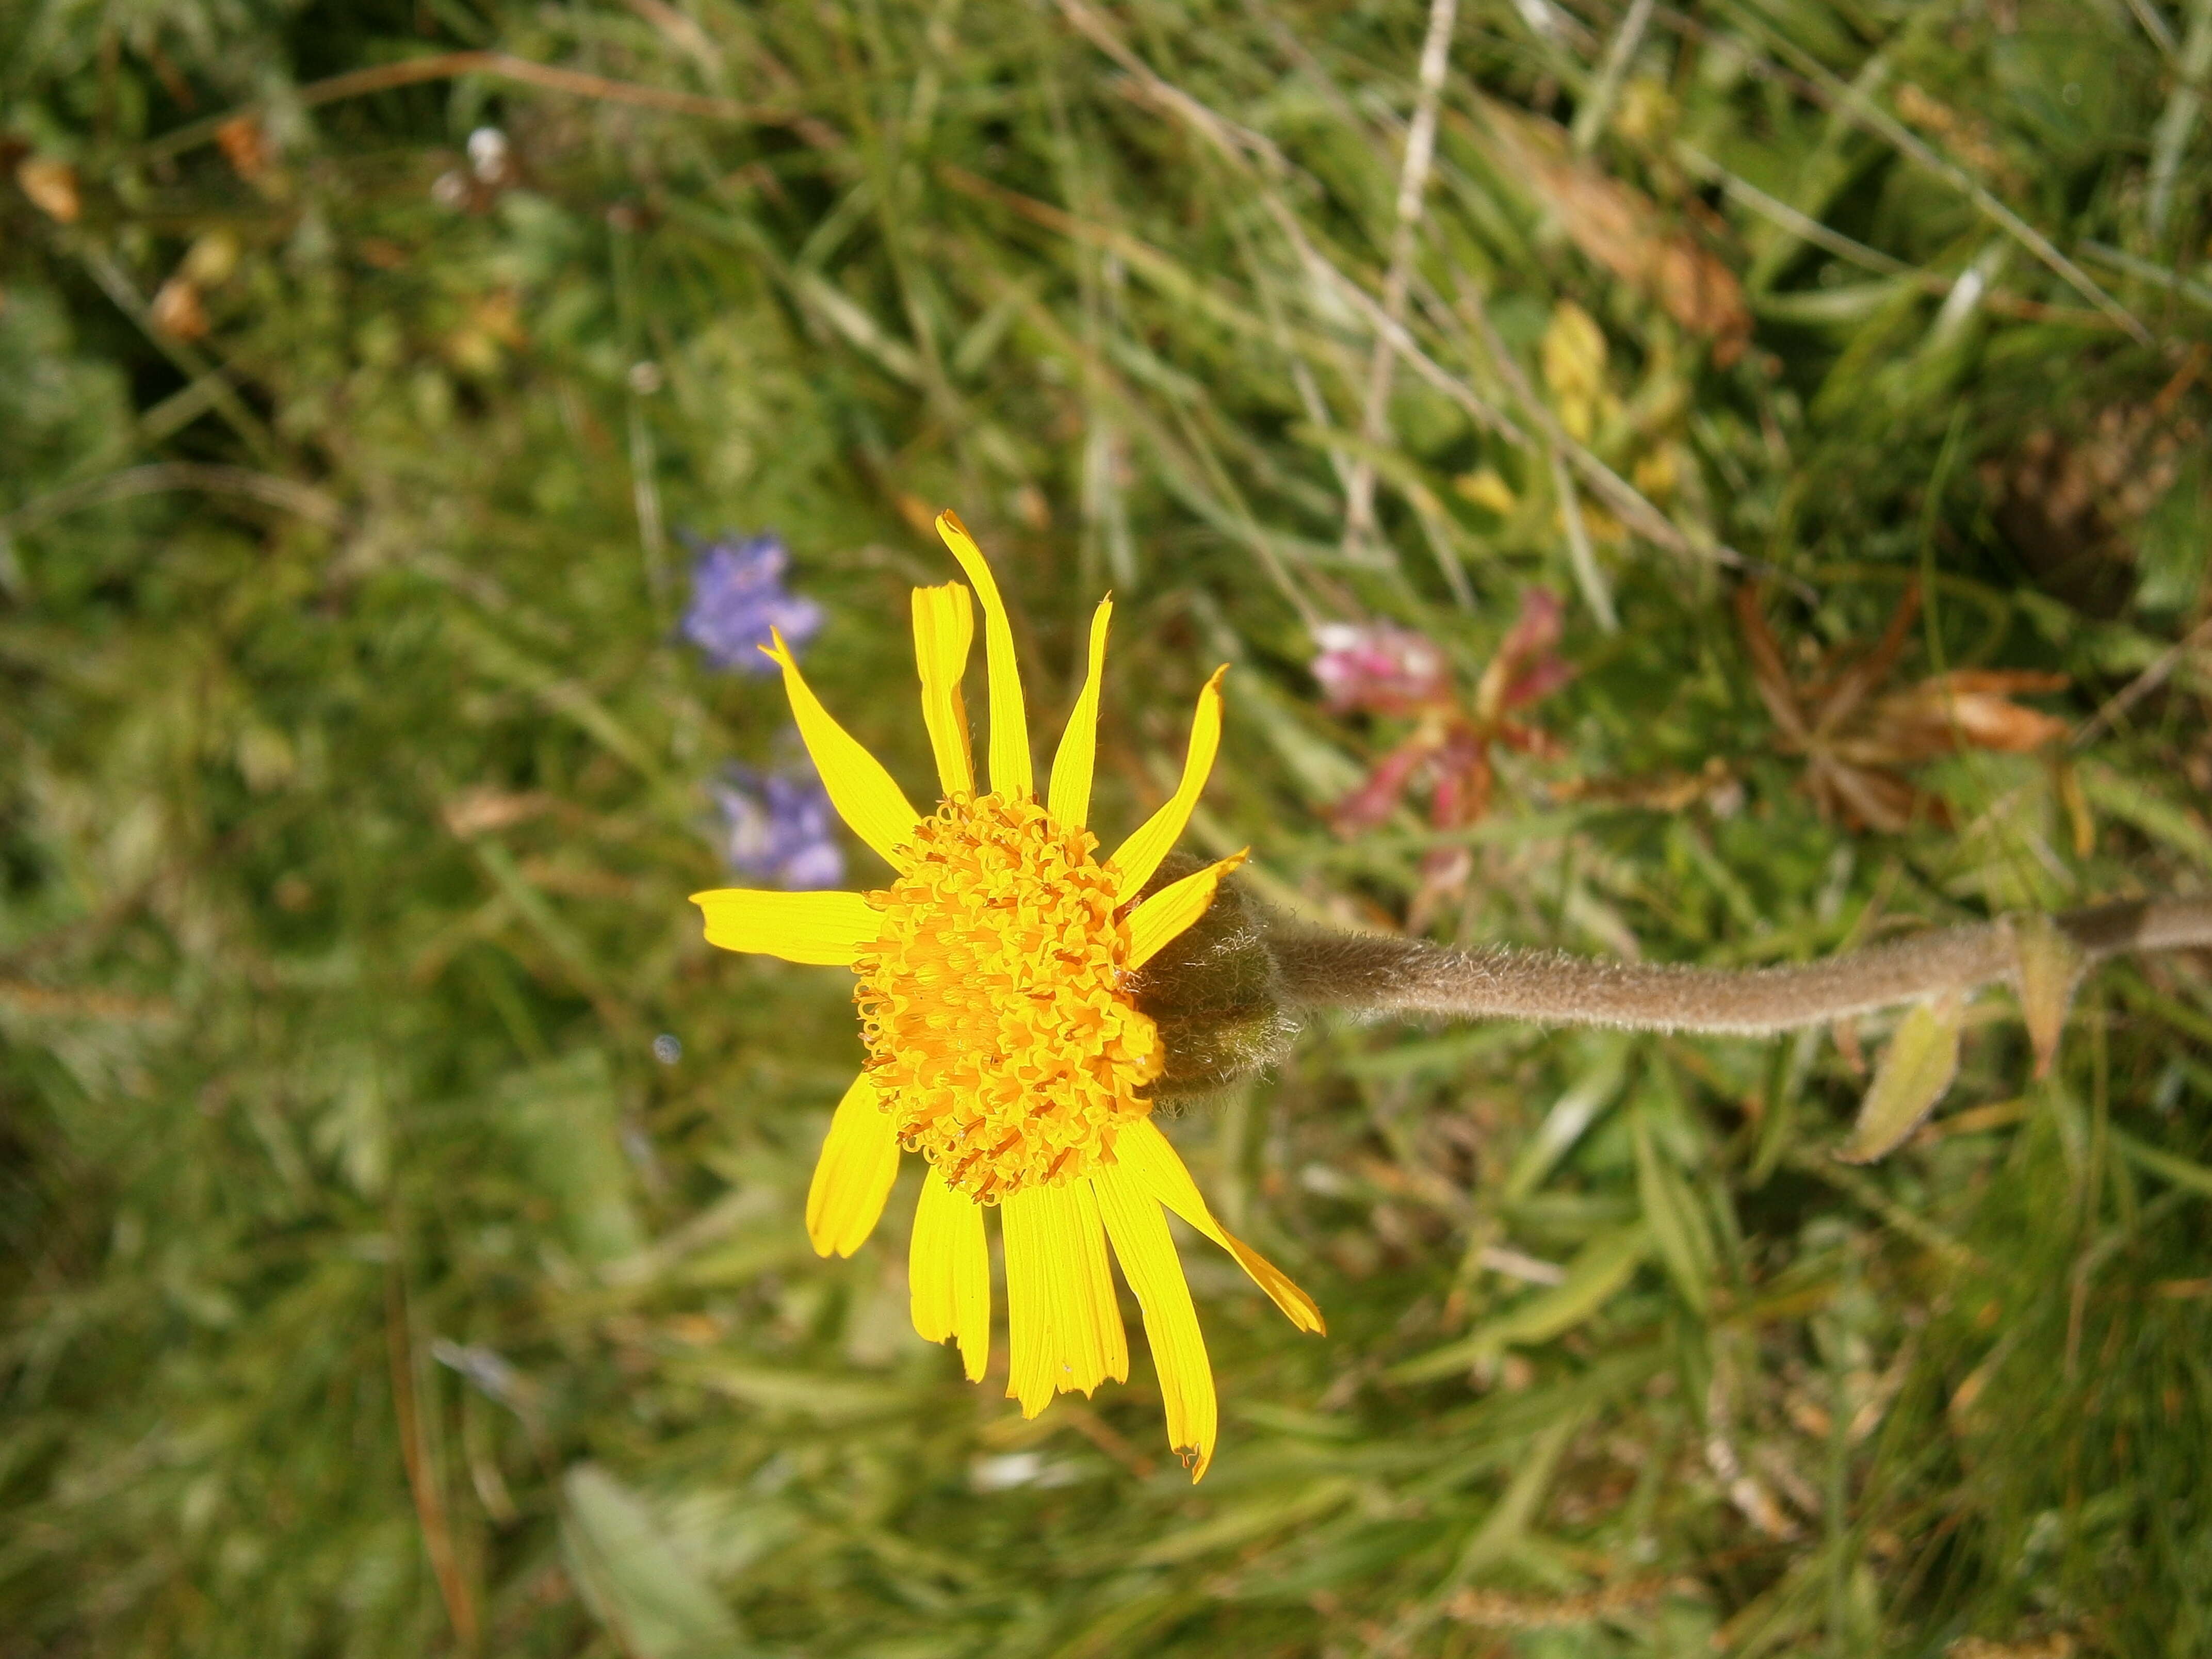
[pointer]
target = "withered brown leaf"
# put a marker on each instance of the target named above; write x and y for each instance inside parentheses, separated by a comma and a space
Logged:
(1855, 742)
(1622, 228)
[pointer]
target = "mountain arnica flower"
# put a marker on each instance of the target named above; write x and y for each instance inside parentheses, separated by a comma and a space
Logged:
(738, 603)
(1003, 1045)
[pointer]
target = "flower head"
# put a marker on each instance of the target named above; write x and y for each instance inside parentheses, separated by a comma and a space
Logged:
(738, 603)
(777, 827)
(1378, 669)
(1006, 1046)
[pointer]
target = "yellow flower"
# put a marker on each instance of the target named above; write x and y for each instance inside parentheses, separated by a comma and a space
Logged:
(1003, 1045)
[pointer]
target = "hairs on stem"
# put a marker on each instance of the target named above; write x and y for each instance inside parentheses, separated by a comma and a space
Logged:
(1380, 974)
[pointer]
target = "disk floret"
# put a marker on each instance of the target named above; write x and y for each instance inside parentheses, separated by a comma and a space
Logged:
(999, 1037)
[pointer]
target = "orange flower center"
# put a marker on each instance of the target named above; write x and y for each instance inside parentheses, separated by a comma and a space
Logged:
(991, 1003)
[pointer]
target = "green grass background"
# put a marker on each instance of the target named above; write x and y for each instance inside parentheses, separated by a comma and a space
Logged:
(368, 1288)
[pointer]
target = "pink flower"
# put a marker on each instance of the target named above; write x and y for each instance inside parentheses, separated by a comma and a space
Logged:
(1378, 668)
(1527, 665)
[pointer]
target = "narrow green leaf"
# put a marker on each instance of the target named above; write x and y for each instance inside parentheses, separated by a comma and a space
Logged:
(2132, 799)
(2047, 967)
(2179, 1172)
(1506, 1523)
(561, 1116)
(1572, 1114)
(1921, 1059)
(822, 1398)
(1678, 1226)
(1600, 1268)
(654, 1601)
(1244, 1523)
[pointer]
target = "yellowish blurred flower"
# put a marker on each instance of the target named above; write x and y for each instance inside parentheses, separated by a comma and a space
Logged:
(1487, 488)
(1658, 473)
(1003, 1045)
(1573, 354)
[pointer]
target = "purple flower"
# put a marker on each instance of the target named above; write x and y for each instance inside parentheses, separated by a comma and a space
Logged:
(738, 595)
(778, 828)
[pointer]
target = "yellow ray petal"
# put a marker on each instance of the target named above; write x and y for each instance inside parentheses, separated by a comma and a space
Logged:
(1090, 1345)
(826, 927)
(1145, 1152)
(861, 791)
(1102, 1295)
(1174, 907)
(1072, 1349)
(1079, 1341)
(1029, 1298)
(929, 1260)
(1011, 774)
(852, 1177)
(1069, 799)
(1135, 859)
(1149, 1262)
(948, 1272)
(944, 628)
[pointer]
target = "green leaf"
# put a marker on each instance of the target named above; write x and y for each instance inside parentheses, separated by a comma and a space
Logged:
(1600, 1268)
(825, 1398)
(2047, 967)
(1921, 1059)
(652, 1599)
(2179, 1172)
(1240, 1523)
(1678, 1226)
(2132, 799)
(562, 1117)
(1572, 1113)
(1509, 1520)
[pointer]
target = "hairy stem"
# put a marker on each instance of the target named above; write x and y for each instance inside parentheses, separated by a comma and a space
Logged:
(1382, 974)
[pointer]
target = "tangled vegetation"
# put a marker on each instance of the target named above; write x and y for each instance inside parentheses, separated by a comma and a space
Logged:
(1720, 482)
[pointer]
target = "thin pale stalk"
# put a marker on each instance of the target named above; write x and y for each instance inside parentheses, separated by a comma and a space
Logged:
(2178, 124)
(1597, 593)
(1413, 186)
(1591, 119)
(1383, 974)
